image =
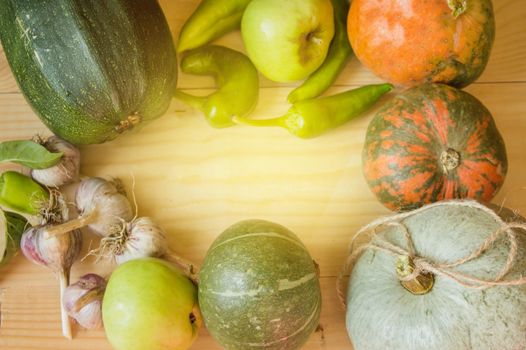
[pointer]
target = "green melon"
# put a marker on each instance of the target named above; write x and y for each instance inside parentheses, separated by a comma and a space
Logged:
(90, 69)
(259, 288)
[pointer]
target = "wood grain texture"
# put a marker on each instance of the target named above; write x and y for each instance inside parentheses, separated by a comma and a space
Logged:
(196, 181)
(507, 62)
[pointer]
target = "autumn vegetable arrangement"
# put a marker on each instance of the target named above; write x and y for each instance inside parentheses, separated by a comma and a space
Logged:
(444, 273)
(431, 152)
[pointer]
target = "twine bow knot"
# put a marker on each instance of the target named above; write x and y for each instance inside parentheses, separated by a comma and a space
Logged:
(423, 265)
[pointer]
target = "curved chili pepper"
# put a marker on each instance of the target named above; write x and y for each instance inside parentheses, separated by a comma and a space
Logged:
(211, 19)
(339, 51)
(313, 117)
(236, 77)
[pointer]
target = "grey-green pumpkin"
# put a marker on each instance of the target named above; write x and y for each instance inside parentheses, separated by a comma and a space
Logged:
(259, 288)
(383, 314)
(90, 69)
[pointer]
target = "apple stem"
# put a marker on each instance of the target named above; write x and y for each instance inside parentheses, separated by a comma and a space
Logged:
(198, 102)
(279, 121)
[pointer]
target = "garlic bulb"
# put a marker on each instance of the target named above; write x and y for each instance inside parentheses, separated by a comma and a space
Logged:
(56, 253)
(103, 208)
(67, 169)
(103, 199)
(144, 238)
(83, 300)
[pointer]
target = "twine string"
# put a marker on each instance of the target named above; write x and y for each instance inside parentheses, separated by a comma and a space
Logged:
(424, 265)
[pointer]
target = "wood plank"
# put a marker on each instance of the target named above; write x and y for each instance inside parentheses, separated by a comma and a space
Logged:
(197, 180)
(218, 177)
(31, 319)
(507, 62)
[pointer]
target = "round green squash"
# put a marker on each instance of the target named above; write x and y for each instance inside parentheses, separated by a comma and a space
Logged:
(259, 288)
(383, 314)
(90, 69)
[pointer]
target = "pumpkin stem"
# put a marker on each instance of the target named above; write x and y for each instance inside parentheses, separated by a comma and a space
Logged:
(128, 123)
(416, 282)
(317, 268)
(450, 160)
(457, 6)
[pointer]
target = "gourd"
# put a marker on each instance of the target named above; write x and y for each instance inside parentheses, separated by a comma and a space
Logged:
(446, 276)
(430, 143)
(259, 288)
(90, 69)
(412, 42)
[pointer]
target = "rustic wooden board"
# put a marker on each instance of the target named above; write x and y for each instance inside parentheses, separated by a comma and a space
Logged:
(506, 64)
(196, 181)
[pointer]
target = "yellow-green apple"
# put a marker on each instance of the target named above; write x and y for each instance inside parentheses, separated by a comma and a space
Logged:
(287, 40)
(149, 304)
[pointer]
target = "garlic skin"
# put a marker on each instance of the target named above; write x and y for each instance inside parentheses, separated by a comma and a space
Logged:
(67, 169)
(55, 252)
(144, 239)
(102, 198)
(83, 300)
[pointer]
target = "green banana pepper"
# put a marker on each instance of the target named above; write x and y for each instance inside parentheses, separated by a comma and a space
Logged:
(339, 52)
(313, 117)
(236, 77)
(211, 19)
(21, 193)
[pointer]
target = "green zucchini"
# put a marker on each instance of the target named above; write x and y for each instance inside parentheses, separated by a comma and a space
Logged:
(90, 69)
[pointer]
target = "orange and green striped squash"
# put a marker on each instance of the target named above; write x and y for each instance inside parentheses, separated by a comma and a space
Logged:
(410, 42)
(430, 143)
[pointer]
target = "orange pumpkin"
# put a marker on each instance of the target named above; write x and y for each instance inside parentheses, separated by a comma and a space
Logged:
(409, 42)
(431, 143)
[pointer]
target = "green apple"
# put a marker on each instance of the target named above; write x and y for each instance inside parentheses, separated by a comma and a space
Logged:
(150, 305)
(287, 40)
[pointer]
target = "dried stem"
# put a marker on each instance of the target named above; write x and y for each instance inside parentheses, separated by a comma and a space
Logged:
(63, 277)
(70, 225)
(190, 269)
(95, 293)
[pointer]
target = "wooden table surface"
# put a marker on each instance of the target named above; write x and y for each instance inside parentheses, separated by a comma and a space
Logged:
(196, 181)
